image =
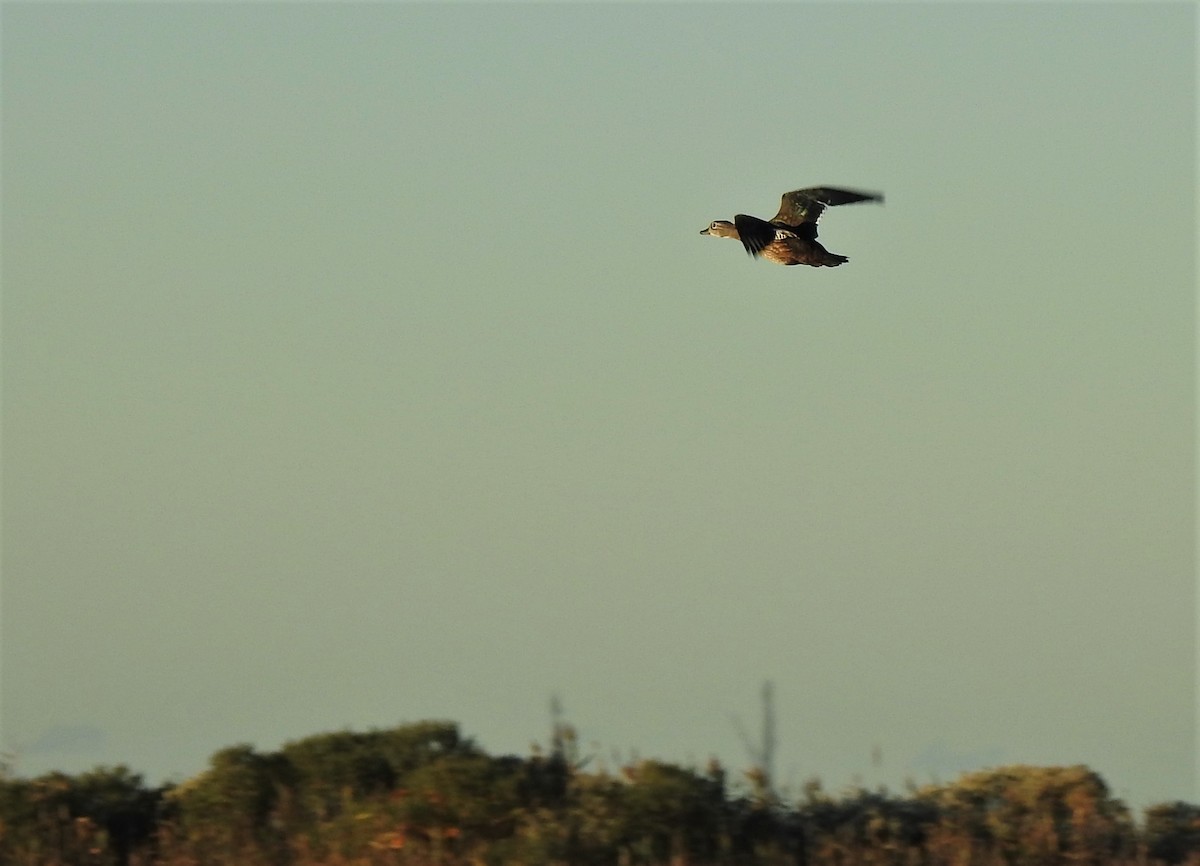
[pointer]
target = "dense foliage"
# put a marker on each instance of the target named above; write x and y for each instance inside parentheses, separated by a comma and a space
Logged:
(422, 794)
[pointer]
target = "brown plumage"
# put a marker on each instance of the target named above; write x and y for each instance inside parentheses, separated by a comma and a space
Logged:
(790, 237)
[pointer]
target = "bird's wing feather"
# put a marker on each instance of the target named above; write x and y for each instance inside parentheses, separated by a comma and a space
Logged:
(755, 234)
(806, 205)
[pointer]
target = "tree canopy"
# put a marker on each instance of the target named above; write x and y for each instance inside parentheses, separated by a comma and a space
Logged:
(423, 794)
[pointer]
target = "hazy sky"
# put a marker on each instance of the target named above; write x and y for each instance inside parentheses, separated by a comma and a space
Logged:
(363, 363)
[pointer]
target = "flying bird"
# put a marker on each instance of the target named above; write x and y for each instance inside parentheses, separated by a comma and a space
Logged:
(790, 237)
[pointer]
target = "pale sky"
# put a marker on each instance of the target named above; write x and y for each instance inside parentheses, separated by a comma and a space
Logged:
(363, 363)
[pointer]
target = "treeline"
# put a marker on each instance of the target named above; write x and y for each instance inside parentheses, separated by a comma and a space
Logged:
(421, 794)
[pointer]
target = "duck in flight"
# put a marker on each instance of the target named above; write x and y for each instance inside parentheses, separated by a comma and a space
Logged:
(790, 237)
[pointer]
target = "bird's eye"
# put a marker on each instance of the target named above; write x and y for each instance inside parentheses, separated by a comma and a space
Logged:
(713, 226)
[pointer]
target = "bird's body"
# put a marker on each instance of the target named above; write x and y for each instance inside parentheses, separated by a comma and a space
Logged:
(790, 237)
(783, 245)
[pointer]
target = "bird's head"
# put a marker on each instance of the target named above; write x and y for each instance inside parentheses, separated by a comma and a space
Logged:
(721, 229)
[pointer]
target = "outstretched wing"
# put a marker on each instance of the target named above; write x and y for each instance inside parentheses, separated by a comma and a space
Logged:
(806, 205)
(755, 234)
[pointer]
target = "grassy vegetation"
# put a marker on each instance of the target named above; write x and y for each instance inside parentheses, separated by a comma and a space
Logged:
(422, 795)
